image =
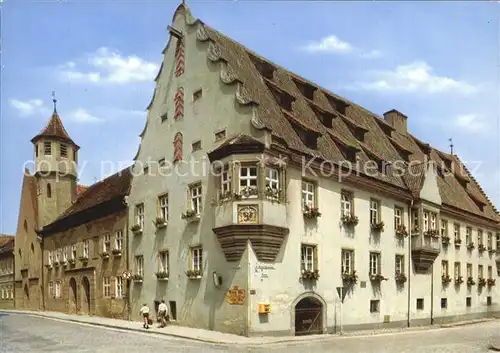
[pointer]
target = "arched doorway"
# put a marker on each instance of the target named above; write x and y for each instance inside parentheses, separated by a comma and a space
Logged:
(86, 295)
(72, 296)
(308, 317)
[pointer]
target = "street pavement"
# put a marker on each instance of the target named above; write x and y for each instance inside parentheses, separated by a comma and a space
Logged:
(24, 333)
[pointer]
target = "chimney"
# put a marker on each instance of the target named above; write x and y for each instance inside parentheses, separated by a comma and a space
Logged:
(397, 120)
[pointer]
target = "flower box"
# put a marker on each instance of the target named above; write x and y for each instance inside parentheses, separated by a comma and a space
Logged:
(491, 250)
(350, 279)
(160, 222)
(481, 282)
(272, 194)
(490, 282)
(83, 258)
(309, 274)
(137, 278)
(350, 220)
(458, 242)
(445, 240)
(193, 274)
(470, 281)
(116, 252)
(56, 263)
(191, 216)
(415, 232)
(401, 231)
(377, 278)
(377, 227)
(249, 191)
(49, 266)
(311, 212)
(105, 255)
(445, 279)
(72, 261)
(136, 229)
(400, 278)
(433, 233)
(481, 248)
(63, 263)
(162, 275)
(459, 280)
(470, 246)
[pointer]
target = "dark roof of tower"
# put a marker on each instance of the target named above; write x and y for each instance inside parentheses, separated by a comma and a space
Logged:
(54, 129)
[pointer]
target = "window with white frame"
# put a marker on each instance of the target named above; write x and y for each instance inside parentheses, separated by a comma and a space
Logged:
(426, 221)
(468, 235)
(197, 258)
(248, 179)
(106, 243)
(163, 204)
(444, 268)
(118, 287)
(139, 265)
(58, 289)
(86, 249)
(374, 263)
(444, 227)
(106, 286)
(457, 272)
(272, 179)
(163, 261)
(139, 215)
(400, 264)
(374, 211)
(56, 253)
(480, 237)
(225, 181)
(480, 272)
(433, 217)
(456, 231)
(415, 219)
(65, 253)
(345, 203)
(308, 194)
(118, 240)
(469, 270)
(490, 272)
(490, 240)
(196, 198)
(49, 258)
(51, 289)
(73, 252)
(347, 261)
(398, 217)
(308, 257)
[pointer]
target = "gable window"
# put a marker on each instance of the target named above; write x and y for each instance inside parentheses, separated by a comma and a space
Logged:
(197, 259)
(86, 249)
(220, 135)
(457, 271)
(139, 215)
(347, 261)
(118, 240)
(196, 146)
(308, 258)
(346, 203)
(308, 194)
(468, 235)
(58, 289)
(197, 95)
(139, 265)
(118, 287)
(64, 150)
(479, 237)
(106, 243)
(374, 211)
(161, 162)
(272, 183)
(106, 285)
(196, 198)
(225, 181)
(47, 148)
(248, 180)
(400, 264)
(163, 205)
(398, 217)
(374, 263)
(163, 261)
(164, 117)
(444, 227)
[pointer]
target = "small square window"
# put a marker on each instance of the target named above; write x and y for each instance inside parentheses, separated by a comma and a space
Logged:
(164, 117)
(196, 146)
(468, 302)
(220, 135)
(374, 306)
(420, 304)
(146, 170)
(197, 95)
(161, 162)
(488, 301)
(444, 303)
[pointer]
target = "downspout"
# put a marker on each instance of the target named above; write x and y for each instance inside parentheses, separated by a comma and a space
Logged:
(409, 262)
(42, 286)
(432, 293)
(127, 257)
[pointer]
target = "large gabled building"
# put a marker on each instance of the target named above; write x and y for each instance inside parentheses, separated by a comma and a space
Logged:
(309, 192)
(6, 272)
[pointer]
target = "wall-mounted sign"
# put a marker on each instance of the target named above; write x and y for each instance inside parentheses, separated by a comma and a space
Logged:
(235, 296)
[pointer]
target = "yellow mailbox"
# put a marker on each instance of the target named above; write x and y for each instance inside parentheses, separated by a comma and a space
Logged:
(264, 308)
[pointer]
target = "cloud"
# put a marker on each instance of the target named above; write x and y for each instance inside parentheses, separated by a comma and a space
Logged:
(414, 77)
(470, 122)
(80, 115)
(107, 66)
(330, 44)
(372, 54)
(29, 107)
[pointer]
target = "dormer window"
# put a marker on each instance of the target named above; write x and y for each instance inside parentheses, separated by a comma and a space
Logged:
(283, 98)
(324, 116)
(305, 88)
(403, 152)
(308, 138)
(338, 104)
(265, 68)
(47, 148)
(358, 131)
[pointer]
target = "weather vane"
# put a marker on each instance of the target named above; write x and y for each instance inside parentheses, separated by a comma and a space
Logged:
(451, 145)
(54, 100)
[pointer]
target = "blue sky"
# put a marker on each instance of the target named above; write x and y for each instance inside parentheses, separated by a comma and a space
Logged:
(436, 62)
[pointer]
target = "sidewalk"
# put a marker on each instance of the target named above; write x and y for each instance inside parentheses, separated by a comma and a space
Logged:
(214, 337)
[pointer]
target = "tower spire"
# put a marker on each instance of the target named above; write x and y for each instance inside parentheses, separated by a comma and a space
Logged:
(54, 100)
(451, 145)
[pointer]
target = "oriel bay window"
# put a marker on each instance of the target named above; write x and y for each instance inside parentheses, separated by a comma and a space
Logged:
(272, 184)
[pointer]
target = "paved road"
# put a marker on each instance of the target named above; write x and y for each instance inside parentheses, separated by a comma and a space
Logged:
(21, 333)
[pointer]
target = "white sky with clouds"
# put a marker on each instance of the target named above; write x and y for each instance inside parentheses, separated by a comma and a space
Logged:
(436, 62)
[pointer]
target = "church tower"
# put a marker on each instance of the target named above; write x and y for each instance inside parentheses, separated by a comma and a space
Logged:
(56, 157)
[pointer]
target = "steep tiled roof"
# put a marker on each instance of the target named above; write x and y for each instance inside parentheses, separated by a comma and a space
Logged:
(116, 185)
(80, 189)
(4, 239)
(292, 107)
(54, 128)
